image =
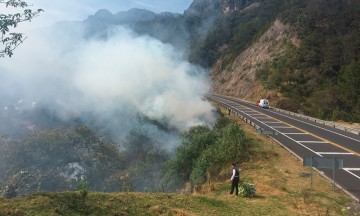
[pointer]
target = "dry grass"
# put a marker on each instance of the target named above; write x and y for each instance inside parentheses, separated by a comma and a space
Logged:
(349, 125)
(276, 174)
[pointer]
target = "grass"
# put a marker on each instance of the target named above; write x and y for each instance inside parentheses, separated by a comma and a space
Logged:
(274, 171)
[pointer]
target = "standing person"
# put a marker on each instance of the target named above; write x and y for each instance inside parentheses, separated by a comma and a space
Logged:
(235, 178)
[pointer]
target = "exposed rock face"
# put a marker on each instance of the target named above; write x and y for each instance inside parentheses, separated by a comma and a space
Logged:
(240, 79)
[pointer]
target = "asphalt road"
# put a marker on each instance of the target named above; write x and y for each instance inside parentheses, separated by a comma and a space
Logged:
(306, 138)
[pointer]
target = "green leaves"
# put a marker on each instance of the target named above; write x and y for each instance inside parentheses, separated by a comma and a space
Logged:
(15, 3)
(247, 189)
(204, 150)
(11, 40)
(233, 144)
(349, 82)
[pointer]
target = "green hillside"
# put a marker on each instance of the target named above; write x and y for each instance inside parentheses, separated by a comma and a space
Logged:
(320, 77)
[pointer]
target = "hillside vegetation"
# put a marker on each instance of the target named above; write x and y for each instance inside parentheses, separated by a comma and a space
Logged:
(317, 75)
(276, 174)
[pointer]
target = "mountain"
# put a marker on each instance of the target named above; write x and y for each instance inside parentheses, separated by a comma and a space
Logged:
(303, 55)
(206, 8)
(124, 17)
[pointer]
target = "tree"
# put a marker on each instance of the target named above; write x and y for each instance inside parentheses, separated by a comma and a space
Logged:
(10, 40)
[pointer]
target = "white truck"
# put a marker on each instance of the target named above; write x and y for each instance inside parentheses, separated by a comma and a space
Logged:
(264, 103)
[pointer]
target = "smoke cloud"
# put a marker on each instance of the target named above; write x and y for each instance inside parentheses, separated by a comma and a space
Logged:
(106, 81)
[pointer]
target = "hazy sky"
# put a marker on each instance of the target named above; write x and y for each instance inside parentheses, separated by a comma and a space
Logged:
(58, 10)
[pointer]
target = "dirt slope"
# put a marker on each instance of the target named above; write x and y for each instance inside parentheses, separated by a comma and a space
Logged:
(239, 79)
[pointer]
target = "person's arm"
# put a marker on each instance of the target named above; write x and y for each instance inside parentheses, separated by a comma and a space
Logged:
(233, 174)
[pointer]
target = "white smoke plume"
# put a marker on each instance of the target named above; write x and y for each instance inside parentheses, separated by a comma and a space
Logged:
(113, 79)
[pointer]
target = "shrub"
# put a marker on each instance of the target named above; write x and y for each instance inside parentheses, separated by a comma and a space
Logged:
(247, 189)
(233, 145)
(83, 188)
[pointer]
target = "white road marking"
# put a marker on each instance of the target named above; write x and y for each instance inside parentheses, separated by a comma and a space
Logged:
(273, 127)
(287, 116)
(312, 142)
(347, 170)
(280, 127)
(352, 169)
(336, 153)
(296, 133)
(314, 126)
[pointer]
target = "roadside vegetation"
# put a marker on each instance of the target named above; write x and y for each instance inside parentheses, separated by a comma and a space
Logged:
(205, 151)
(275, 172)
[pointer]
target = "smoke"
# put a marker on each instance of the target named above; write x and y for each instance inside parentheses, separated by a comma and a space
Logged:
(107, 82)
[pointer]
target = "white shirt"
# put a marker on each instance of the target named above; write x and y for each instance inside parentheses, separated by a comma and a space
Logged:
(234, 172)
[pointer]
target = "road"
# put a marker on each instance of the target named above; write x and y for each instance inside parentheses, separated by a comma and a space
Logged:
(306, 138)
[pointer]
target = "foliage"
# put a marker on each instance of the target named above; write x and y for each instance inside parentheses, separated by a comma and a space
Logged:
(320, 77)
(10, 40)
(349, 83)
(246, 189)
(198, 174)
(82, 187)
(231, 34)
(233, 145)
(194, 142)
(203, 148)
(56, 159)
(314, 75)
(144, 160)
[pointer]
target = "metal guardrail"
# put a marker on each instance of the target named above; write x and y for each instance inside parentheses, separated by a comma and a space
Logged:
(283, 146)
(327, 123)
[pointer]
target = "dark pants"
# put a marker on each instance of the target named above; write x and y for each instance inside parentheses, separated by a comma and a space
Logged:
(235, 184)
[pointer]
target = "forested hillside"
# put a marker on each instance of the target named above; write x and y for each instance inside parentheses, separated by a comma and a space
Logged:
(322, 76)
(318, 74)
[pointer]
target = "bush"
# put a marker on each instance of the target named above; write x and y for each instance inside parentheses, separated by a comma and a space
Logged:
(233, 145)
(198, 174)
(246, 189)
(83, 188)
(203, 148)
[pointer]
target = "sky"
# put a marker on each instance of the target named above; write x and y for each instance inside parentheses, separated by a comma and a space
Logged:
(71, 10)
